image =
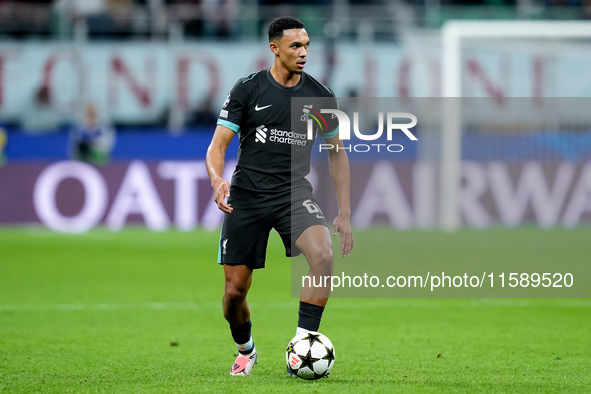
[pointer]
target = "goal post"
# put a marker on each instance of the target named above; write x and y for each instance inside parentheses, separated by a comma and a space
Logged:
(454, 33)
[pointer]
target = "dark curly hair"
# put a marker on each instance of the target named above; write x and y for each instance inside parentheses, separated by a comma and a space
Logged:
(282, 23)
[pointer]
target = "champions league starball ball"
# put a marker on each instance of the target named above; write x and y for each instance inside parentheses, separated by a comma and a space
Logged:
(310, 356)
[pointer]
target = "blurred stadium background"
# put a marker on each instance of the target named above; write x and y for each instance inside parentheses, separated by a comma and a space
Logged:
(107, 106)
(106, 111)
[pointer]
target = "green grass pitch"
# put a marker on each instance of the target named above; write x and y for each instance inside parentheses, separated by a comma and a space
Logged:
(137, 311)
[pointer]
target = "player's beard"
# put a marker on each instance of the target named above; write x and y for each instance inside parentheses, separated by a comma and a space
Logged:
(297, 69)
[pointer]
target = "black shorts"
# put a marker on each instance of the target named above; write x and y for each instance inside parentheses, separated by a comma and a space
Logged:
(245, 232)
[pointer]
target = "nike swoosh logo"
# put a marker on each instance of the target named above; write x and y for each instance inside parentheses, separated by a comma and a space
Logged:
(257, 108)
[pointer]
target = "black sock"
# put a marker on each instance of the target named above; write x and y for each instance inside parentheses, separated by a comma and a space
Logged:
(309, 316)
(242, 336)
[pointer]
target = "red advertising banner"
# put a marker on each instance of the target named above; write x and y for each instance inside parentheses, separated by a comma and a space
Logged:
(73, 196)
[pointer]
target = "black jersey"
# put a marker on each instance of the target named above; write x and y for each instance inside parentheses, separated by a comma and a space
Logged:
(273, 155)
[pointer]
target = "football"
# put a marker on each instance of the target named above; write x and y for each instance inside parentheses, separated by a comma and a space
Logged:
(310, 356)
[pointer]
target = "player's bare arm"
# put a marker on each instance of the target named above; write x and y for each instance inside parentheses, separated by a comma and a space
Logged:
(215, 161)
(340, 174)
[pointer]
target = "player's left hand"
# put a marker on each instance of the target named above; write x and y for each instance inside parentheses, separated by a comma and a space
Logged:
(342, 225)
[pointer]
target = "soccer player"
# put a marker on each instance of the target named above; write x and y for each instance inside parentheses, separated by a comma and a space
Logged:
(267, 193)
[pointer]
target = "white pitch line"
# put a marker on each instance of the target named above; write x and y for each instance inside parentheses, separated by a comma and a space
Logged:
(334, 304)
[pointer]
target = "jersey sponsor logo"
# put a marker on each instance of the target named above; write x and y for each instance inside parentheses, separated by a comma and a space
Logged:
(287, 137)
(261, 134)
(227, 101)
(257, 108)
(223, 113)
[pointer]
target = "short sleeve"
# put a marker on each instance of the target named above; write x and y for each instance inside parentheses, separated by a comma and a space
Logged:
(233, 108)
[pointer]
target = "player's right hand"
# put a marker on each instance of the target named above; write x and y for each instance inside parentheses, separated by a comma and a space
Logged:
(221, 191)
